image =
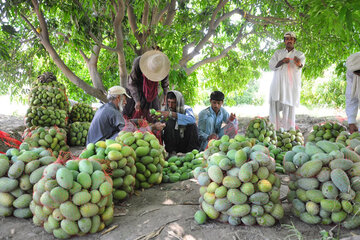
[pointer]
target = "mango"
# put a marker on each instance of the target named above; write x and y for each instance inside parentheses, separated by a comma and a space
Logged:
(341, 180)
(309, 219)
(236, 197)
(200, 217)
(70, 211)
(209, 210)
(8, 184)
(64, 178)
(310, 168)
(330, 205)
(239, 210)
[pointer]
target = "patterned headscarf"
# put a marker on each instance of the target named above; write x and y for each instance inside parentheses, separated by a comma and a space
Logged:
(180, 103)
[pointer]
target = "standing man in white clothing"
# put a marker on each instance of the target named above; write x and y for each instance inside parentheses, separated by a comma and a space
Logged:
(352, 93)
(285, 88)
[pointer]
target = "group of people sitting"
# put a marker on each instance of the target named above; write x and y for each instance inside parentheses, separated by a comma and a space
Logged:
(175, 126)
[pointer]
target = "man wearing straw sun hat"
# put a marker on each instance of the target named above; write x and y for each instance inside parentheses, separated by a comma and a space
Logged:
(285, 87)
(147, 72)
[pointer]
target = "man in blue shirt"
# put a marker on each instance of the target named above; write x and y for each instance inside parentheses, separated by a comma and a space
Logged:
(108, 120)
(211, 119)
(180, 133)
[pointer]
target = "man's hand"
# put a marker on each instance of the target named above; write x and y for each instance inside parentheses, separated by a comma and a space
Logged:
(212, 136)
(281, 62)
(165, 114)
(159, 126)
(137, 106)
(353, 128)
(297, 61)
(286, 60)
(232, 117)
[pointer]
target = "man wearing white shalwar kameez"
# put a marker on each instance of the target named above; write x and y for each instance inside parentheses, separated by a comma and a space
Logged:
(285, 87)
(352, 93)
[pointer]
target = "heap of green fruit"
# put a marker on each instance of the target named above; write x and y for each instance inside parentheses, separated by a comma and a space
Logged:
(75, 199)
(52, 138)
(48, 103)
(286, 140)
(81, 112)
(45, 117)
(326, 131)
(263, 130)
(344, 137)
(47, 96)
(150, 157)
(180, 168)
(325, 182)
(240, 187)
(20, 169)
(78, 133)
(119, 163)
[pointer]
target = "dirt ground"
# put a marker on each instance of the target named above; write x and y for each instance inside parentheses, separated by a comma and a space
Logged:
(166, 211)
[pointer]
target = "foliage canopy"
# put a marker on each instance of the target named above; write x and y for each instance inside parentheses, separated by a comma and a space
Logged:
(90, 45)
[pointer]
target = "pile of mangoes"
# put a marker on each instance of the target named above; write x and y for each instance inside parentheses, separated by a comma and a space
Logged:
(344, 137)
(52, 138)
(150, 157)
(20, 169)
(263, 130)
(119, 163)
(180, 168)
(45, 117)
(47, 96)
(78, 133)
(286, 140)
(75, 199)
(240, 188)
(326, 131)
(81, 112)
(49, 105)
(53, 84)
(325, 182)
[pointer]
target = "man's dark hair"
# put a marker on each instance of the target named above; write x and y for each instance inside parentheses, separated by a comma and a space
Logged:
(217, 96)
(171, 95)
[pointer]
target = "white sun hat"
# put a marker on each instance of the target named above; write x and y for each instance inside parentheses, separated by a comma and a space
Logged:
(155, 65)
(291, 34)
(117, 90)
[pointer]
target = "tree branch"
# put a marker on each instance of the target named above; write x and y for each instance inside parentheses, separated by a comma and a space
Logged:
(293, 9)
(44, 39)
(145, 15)
(170, 13)
(222, 54)
(132, 23)
(28, 40)
(98, 42)
(220, 5)
(30, 25)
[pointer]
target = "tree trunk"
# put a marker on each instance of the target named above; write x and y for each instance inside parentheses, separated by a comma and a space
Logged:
(93, 70)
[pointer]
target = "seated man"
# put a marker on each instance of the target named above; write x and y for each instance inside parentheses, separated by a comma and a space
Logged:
(180, 133)
(108, 120)
(211, 119)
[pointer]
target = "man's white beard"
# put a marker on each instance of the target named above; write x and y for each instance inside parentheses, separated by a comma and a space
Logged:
(120, 105)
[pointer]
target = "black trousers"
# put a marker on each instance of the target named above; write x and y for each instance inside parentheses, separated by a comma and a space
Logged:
(173, 141)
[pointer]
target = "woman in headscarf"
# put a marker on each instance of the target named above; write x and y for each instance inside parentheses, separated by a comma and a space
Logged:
(180, 133)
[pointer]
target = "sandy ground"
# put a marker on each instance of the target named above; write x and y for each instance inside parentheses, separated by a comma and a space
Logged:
(166, 211)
